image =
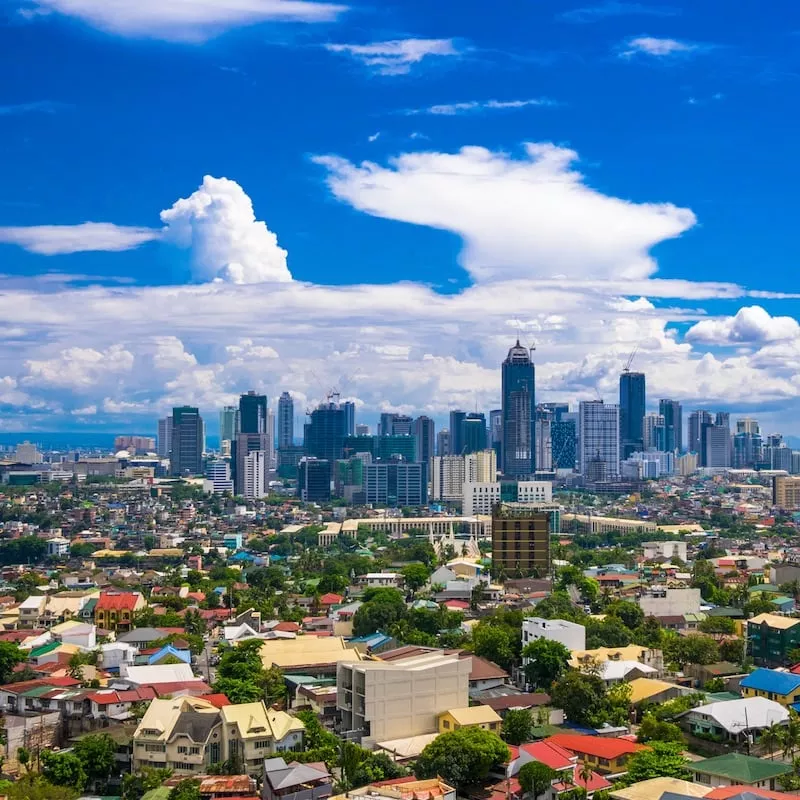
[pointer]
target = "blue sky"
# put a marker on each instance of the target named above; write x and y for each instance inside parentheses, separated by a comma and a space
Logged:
(664, 150)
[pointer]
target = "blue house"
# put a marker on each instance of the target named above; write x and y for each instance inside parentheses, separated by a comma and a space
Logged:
(168, 650)
(782, 687)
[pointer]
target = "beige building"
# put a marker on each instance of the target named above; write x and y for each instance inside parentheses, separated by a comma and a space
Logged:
(188, 734)
(481, 467)
(786, 491)
(381, 701)
(313, 654)
(475, 526)
(589, 523)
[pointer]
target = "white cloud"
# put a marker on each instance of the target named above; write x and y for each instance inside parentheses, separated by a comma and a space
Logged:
(659, 48)
(227, 241)
(10, 394)
(185, 20)
(51, 240)
(86, 411)
(751, 325)
(34, 107)
(532, 216)
(396, 57)
(614, 9)
(78, 368)
(476, 106)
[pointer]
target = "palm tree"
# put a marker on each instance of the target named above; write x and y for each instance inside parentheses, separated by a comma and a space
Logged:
(585, 775)
(770, 739)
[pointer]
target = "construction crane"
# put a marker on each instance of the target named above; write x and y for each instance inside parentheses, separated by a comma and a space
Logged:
(627, 367)
(520, 335)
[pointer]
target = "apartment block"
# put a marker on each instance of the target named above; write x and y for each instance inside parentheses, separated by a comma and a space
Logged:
(786, 491)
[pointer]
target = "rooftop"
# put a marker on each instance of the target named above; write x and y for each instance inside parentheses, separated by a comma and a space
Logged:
(744, 769)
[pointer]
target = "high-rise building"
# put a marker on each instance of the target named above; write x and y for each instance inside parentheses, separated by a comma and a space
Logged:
(228, 423)
(386, 424)
(520, 540)
(271, 430)
(673, 424)
(401, 425)
(564, 441)
(397, 446)
(655, 432)
(557, 410)
(164, 439)
(314, 480)
(443, 442)
(786, 492)
(27, 453)
(481, 467)
(473, 433)
(747, 450)
(599, 439)
(457, 432)
(519, 402)
(135, 444)
(395, 484)
(326, 431)
(362, 430)
(747, 425)
(243, 447)
(253, 413)
(779, 457)
(496, 430)
(632, 402)
(285, 420)
(697, 420)
(252, 473)
(715, 449)
(186, 457)
(349, 417)
(218, 474)
(544, 439)
(447, 478)
(424, 431)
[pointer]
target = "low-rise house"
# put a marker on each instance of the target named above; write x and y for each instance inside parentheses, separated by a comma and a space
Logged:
(570, 634)
(381, 580)
(782, 687)
(654, 691)
(657, 787)
(295, 781)
(613, 672)
(606, 755)
(735, 721)
(737, 769)
(472, 717)
(114, 654)
(115, 610)
(633, 652)
(78, 633)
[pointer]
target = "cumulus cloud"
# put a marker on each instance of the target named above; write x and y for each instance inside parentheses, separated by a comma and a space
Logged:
(397, 56)
(477, 106)
(227, 241)
(658, 48)
(532, 216)
(77, 368)
(751, 325)
(51, 240)
(184, 20)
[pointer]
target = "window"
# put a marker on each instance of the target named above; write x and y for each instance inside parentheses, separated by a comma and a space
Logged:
(445, 723)
(154, 748)
(261, 744)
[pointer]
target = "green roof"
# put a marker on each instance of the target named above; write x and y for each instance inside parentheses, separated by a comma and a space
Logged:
(161, 793)
(719, 697)
(769, 588)
(44, 649)
(739, 768)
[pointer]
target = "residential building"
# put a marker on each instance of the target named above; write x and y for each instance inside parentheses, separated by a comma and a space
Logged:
(481, 467)
(782, 687)
(294, 781)
(668, 601)
(314, 480)
(771, 637)
(443, 442)
(672, 412)
(164, 438)
(252, 470)
(396, 484)
(606, 755)
(736, 769)
(570, 634)
(285, 420)
(115, 610)
(423, 430)
(186, 456)
(518, 444)
(218, 475)
(599, 440)
(381, 701)
(447, 478)
(664, 551)
(786, 492)
(349, 408)
(697, 421)
(647, 656)
(481, 498)
(520, 540)
(632, 404)
(482, 717)
(735, 721)
(654, 432)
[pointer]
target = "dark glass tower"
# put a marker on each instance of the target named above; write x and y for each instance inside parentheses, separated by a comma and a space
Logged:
(673, 424)
(473, 433)
(187, 441)
(519, 403)
(424, 432)
(253, 413)
(325, 433)
(456, 432)
(285, 420)
(631, 412)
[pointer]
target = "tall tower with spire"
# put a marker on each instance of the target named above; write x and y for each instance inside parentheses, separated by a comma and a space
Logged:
(519, 418)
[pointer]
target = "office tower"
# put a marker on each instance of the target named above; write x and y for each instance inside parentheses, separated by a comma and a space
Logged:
(218, 474)
(697, 419)
(362, 430)
(186, 456)
(673, 424)
(350, 417)
(655, 433)
(564, 441)
(395, 484)
(747, 449)
(456, 432)
(543, 438)
(519, 402)
(348, 477)
(715, 450)
(243, 446)
(779, 457)
(326, 432)
(447, 478)
(386, 424)
(722, 419)
(481, 467)
(135, 444)
(253, 413)
(401, 425)
(496, 430)
(228, 423)
(271, 432)
(747, 425)
(520, 540)
(557, 410)
(395, 447)
(164, 439)
(632, 403)
(285, 420)
(27, 453)
(424, 431)
(473, 433)
(252, 473)
(774, 440)
(599, 440)
(314, 480)
(443, 442)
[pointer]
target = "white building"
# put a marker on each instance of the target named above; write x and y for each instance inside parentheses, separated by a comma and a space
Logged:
(480, 498)
(654, 431)
(218, 476)
(480, 467)
(164, 440)
(663, 601)
(27, 453)
(664, 551)
(381, 580)
(598, 425)
(570, 634)
(254, 477)
(58, 546)
(447, 478)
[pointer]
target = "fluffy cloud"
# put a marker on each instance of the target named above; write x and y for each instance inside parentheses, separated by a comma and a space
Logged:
(51, 240)
(659, 48)
(227, 241)
(476, 106)
(396, 57)
(532, 216)
(78, 368)
(752, 325)
(184, 20)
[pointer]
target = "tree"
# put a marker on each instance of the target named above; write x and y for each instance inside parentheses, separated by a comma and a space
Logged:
(655, 730)
(545, 662)
(63, 769)
(37, 787)
(188, 789)
(662, 759)
(717, 625)
(631, 614)
(97, 753)
(517, 726)
(10, 656)
(535, 778)
(695, 649)
(462, 757)
(714, 685)
(239, 691)
(582, 697)
(381, 608)
(771, 739)
(320, 744)
(24, 758)
(494, 643)
(415, 576)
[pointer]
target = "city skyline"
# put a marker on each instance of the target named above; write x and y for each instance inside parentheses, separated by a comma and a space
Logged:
(483, 182)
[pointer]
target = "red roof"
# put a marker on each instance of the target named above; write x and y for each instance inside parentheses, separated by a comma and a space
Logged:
(600, 746)
(23, 686)
(197, 687)
(219, 700)
(287, 627)
(594, 784)
(117, 601)
(555, 756)
(456, 605)
(724, 792)
(331, 599)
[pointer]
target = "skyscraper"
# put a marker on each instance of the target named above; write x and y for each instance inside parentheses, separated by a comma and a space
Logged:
(349, 417)
(632, 403)
(599, 437)
(401, 425)
(564, 441)
(715, 449)
(285, 420)
(443, 442)
(228, 423)
(314, 480)
(424, 431)
(673, 424)
(496, 430)
(186, 457)
(252, 473)
(519, 402)
(544, 439)
(386, 424)
(456, 432)
(253, 413)
(164, 440)
(473, 433)
(325, 432)
(698, 419)
(655, 433)
(244, 445)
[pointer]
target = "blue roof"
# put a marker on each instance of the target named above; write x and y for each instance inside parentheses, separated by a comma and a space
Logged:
(372, 639)
(169, 650)
(769, 680)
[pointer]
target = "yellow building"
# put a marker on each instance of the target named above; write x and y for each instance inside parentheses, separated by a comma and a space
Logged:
(633, 652)
(473, 717)
(314, 653)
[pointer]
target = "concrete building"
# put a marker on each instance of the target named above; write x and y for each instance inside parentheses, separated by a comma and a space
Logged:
(255, 467)
(481, 498)
(424, 431)
(664, 551)
(396, 484)
(218, 476)
(589, 523)
(27, 453)
(228, 423)
(598, 431)
(570, 634)
(381, 701)
(520, 540)
(663, 601)
(164, 438)
(188, 434)
(786, 492)
(519, 422)
(285, 420)
(447, 478)
(481, 467)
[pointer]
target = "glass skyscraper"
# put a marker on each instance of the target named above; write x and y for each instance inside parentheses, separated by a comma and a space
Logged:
(673, 424)
(631, 412)
(325, 432)
(285, 420)
(187, 441)
(519, 403)
(253, 413)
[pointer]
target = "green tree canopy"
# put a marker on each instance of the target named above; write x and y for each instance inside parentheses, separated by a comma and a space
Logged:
(582, 697)
(37, 787)
(655, 730)
(63, 769)
(545, 662)
(462, 757)
(517, 726)
(97, 753)
(10, 656)
(535, 778)
(239, 691)
(415, 576)
(187, 789)
(662, 759)
(493, 642)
